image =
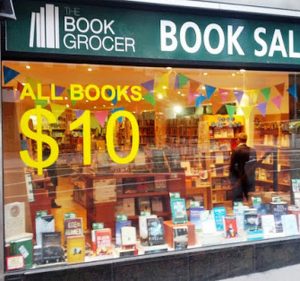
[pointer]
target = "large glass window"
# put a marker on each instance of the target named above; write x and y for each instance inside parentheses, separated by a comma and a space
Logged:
(109, 161)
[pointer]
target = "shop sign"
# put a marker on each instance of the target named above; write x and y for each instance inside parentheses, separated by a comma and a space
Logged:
(131, 33)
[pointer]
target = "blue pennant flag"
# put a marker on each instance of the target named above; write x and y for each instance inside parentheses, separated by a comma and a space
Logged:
(209, 91)
(199, 100)
(9, 74)
(115, 100)
(149, 85)
(293, 91)
(120, 119)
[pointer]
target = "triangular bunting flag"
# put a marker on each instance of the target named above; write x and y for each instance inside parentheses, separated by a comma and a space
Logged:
(277, 101)
(293, 91)
(150, 98)
(59, 90)
(94, 122)
(162, 84)
(101, 116)
(253, 96)
(181, 81)
(239, 95)
(262, 107)
(120, 119)
(266, 92)
(247, 111)
(78, 113)
(280, 88)
(57, 109)
(230, 110)
(224, 94)
(9, 74)
(73, 102)
(42, 103)
(191, 97)
(20, 87)
(149, 85)
(33, 83)
(216, 106)
(199, 100)
(209, 91)
(194, 85)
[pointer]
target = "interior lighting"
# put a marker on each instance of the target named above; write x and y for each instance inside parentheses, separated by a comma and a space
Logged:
(177, 108)
(160, 96)
(205, 73)
(27, 66)
(89, 69)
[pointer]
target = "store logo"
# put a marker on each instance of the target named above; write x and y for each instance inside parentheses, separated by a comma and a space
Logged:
(44, 28)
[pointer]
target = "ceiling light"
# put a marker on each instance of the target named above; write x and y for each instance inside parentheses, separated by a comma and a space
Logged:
(242, 70)
(233, 74)
(27, 66)
(67, 105)
(66, 98)
(205, 73)
(160, 96)
(203, 87)
(169, 68)
(177, 108)
(165, 87)
(86, 100)
(89, 69)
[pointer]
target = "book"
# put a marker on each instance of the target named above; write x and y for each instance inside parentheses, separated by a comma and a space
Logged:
(14, 219)
(156, 205)
(268, 225)
(143, 228)
(44, 223)
(208, 223)
(128, 206)
(219, 214)
(128, 236)
(24, 248)
(230, 227)
(238, 211)
(52, 251)
(279, 209)
(195, 216)
(119, 225)
(289, 224)
(178, 210)
(251, 220)
(156, 235)
(75, 249)
(73, 227)
(102, 241)
(180, 240)
(144, 205)
(160, 183)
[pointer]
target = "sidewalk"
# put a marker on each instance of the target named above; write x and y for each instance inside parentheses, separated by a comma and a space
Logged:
(290, 273)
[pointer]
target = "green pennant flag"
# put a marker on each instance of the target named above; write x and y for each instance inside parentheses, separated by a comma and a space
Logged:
(266, 92)
(230, 110)
(150, 98)
(73, 102)
(42, 103)
(182, 80)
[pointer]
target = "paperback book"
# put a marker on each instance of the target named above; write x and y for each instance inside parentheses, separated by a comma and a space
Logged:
(178, 210)
(75, 249)
(73, 227)
(289, 224)
(230, 227)
(102, 241)
(279, 209)
(119, 225)
(219, 214)
(156, 234)
(268, 225)
(180, 234)
(52, 251)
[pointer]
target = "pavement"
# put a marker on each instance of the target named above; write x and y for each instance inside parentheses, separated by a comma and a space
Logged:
(289, 273)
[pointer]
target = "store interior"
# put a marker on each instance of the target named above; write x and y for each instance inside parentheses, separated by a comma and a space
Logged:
(188, 125)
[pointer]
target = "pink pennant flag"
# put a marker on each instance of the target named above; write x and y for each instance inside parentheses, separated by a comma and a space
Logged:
(277, 101)
(101, 116)
(224, 94)
(191, 97)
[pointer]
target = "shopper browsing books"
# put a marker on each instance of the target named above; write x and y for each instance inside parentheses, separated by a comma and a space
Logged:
(242, 169)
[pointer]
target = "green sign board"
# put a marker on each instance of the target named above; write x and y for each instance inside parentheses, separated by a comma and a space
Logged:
(130, 33)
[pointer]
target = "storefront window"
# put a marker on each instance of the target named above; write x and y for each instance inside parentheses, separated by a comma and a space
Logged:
(112, 161)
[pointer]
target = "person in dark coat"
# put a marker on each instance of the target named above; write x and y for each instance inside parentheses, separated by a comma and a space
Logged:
(242, 169)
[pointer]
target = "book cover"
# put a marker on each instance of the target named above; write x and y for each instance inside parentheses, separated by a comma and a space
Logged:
(180, 237)
(289, 224)
(268, 225)
(251, 220)
(102, 241)
(75, 249)
(24, 248)
(157, 205)
(230, 227)
(195, 216)
(144, 205)
(279, 209)
(73, 227)
(119, 225)
(178, 210)
(143, 229)
(52, 251)
(160, 183)
(128, 236)
(44, 223)
(156, 234)
(14, 219)
(128, 206)
(219, 214)
(208, 223)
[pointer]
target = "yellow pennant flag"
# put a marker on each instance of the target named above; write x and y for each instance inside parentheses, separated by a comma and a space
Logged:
(57, 109)
(162, 84)
(253, 96)
(247, 110)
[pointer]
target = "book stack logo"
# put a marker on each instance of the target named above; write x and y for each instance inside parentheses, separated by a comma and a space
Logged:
(44, 28)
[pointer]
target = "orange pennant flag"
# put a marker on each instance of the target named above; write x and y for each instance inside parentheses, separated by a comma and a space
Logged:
(280, 88)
